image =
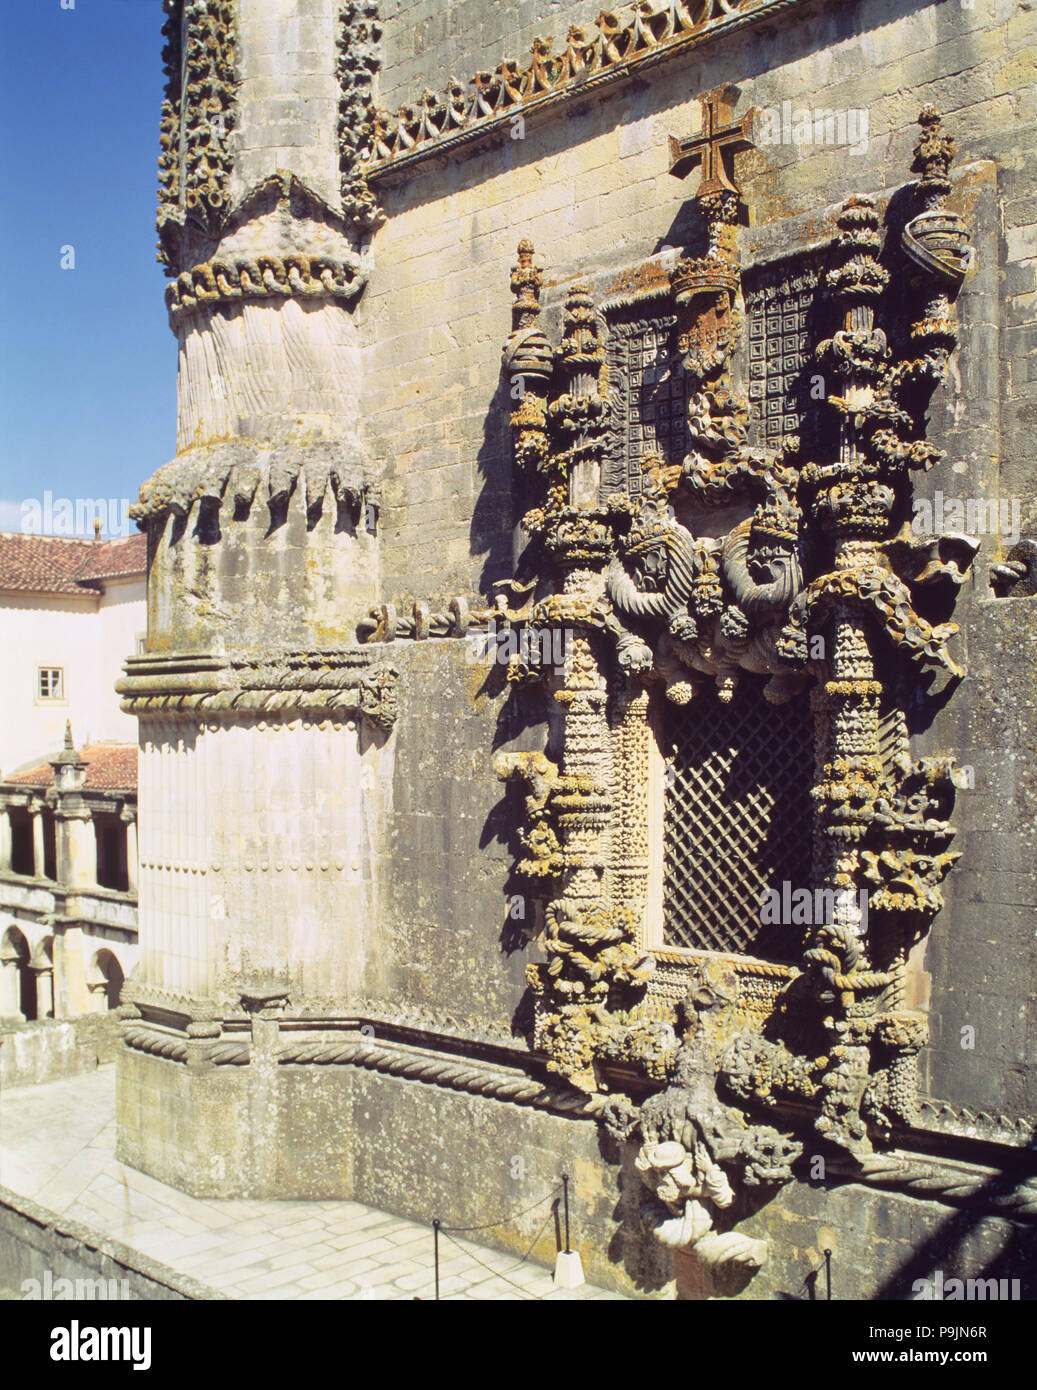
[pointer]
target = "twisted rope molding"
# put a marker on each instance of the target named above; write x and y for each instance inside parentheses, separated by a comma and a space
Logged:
(296, 276)
(939, 1182)
(155, 1044)
(325, 684)
(437, 1071)
(324, 703)
(932, 1181)
(145, 1039)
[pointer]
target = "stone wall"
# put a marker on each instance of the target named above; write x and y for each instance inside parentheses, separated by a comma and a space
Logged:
(425, 1151)
(35, 1244)
(32, 1053)
(447, 945)
(590, 188)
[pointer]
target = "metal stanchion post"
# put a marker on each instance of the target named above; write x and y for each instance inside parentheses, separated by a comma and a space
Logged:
(568, 1266)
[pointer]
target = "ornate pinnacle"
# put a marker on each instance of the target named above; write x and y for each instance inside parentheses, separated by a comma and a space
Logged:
(581, 348)
(933, 155)
(857, 279)
(526, 279)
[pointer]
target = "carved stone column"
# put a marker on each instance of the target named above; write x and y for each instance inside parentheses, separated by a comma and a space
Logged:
(73, 997)
(265, 1004)
(128, 816)
(5, 841)
(75, 833)
(44, 990)
(262, 539)
(38, 850)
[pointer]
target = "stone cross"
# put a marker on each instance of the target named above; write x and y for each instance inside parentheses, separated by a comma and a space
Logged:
(720, 140)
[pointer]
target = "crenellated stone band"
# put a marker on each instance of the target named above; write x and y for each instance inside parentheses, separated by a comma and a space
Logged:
(620, 45)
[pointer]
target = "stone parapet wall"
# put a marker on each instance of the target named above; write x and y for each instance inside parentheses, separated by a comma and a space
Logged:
(426, 1150)
(46, 1050)
(38, 1245)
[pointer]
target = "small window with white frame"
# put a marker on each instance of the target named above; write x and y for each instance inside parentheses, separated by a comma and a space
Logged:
(50, 683)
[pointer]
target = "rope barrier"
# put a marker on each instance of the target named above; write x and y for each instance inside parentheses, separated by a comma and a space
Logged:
(504, 1219)
(496, 1273)
(439, 1229)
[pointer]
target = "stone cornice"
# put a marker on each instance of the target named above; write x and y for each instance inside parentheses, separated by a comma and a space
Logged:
(322, 685)
(239, 470)
(617, 47)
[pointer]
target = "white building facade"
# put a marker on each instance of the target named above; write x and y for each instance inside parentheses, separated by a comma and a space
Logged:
(71, 612)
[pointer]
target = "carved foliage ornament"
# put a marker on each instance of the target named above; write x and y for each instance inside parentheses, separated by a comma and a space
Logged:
(199, 117)
(818, 587)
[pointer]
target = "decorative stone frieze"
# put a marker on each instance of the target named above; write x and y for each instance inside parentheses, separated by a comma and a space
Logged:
(325, 685)
(618, 46)
(224, 282)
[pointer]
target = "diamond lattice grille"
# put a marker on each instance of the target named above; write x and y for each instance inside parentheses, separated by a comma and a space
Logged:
(738, 820)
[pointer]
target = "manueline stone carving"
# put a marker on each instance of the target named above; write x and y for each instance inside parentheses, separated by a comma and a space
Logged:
(653, 605)
(616, 46)
(359, 34)
(228, 281)
(198, 116)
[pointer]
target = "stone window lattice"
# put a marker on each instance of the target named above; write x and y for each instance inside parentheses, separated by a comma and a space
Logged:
(778, 302)
(650, 400)
(737, 820)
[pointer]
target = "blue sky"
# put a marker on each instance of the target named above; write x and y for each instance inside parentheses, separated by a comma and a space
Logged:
(87, 361)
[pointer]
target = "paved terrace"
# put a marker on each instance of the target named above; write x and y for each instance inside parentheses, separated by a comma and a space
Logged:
(57, 1145)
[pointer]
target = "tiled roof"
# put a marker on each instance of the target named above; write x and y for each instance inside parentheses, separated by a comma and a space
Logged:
(109, 767)
(63, 565)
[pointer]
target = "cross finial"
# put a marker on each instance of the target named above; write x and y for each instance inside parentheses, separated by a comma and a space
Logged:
(721, 139)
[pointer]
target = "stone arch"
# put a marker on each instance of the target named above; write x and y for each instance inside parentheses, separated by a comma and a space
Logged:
(17, 978)
(43, 953)
(106, 978)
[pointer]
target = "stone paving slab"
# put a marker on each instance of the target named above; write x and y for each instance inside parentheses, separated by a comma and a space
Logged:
(57, 1143)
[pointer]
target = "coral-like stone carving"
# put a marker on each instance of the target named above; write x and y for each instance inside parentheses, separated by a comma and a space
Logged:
(692, 1143)
(198, 115)
(230, 281)
(236, 473)
(359, 34)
